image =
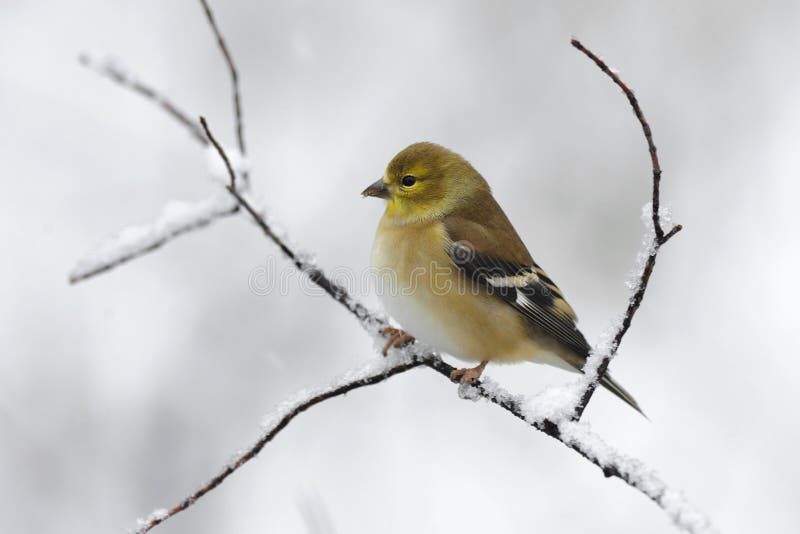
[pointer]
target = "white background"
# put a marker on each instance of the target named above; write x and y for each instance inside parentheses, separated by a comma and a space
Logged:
(121, 394)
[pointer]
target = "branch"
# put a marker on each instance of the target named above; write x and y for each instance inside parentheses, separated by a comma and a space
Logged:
(234, 74)
(594, 372)
(176, 219)
(374, 372)
(336, 291)
(573, 434)
(554, 423)
(136, 241)
(116, 73)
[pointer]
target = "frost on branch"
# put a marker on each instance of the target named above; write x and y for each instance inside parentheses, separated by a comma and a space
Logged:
(374, 367)
(156, 515)
(112, 68)
(649, 247)
(175, 219)
(216, 166)
(549, 412)
(374, 371)
(637, 474)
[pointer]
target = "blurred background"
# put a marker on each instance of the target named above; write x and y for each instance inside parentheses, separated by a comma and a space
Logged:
(120, 394)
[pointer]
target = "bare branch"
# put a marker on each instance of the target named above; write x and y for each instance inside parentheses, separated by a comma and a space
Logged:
(237, 101)
(117, 74)
(658, 239)
(222, 154)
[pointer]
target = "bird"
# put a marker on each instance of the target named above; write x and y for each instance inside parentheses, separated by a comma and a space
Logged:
(460, 279)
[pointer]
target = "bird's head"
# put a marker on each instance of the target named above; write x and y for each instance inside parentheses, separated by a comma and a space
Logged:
(426, 181)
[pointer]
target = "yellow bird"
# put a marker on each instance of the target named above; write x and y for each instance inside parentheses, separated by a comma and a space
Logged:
(461, 279)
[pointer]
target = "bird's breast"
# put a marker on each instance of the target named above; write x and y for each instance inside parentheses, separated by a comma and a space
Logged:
(425, 292)
(409, 266)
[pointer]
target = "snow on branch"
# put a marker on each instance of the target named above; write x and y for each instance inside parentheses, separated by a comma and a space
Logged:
(597, 363)
(578, 436)
(575, 435)
(373, 372)
(554, 411)
(554, 418)
(177, 218)
(301, 260)
(115, 71)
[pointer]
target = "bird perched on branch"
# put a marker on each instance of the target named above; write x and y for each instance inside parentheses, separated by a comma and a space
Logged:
(461, 278)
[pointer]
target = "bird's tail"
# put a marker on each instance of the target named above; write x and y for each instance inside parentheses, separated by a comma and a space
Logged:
(611, 385)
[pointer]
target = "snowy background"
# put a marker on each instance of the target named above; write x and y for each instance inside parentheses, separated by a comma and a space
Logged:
(122, 393)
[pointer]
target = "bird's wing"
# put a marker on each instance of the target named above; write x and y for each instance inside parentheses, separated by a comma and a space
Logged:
(492, 255)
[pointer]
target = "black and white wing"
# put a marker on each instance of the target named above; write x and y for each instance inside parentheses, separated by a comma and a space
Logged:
(526, 288)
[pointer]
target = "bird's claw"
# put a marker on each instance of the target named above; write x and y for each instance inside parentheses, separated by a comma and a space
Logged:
(397, 338)
(468, 375)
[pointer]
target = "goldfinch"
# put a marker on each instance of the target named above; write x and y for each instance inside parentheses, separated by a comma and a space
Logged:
(462, 279)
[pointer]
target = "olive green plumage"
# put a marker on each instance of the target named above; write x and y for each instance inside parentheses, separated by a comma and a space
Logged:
(476, 292)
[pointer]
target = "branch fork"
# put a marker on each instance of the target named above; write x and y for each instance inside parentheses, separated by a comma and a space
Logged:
(562, 424)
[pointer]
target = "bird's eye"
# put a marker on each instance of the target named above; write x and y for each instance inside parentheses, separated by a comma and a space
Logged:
(408, 181)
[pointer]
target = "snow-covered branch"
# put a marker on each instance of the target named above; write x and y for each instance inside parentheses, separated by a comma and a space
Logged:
(115, 71)
(373, 372)
(554, 412)
(177, 218)
(576, 435)
(551, 411)
(597, 364)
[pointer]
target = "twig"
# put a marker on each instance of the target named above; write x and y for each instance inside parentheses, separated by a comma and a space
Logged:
(136, 241)
(572, 434)
(88, 267)
(338, 292)
(567, 432)
(116, 74)
(279, 423)
(659, 238)
(237, 101)
(628, 470)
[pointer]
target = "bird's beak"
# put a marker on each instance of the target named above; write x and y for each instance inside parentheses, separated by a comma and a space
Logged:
(378, 189)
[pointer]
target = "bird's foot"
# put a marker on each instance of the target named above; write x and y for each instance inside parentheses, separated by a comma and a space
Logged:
(468, 375)
(397, 338)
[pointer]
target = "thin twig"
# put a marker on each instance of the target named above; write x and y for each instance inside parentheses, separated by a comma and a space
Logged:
(119, 76)
(659, 239)
(234, 73)
(222, 154)
(110, 254)
(161, 516)
(623, 468)
(653, 488)
(123, 78)
(337, 291)
(430, 360)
